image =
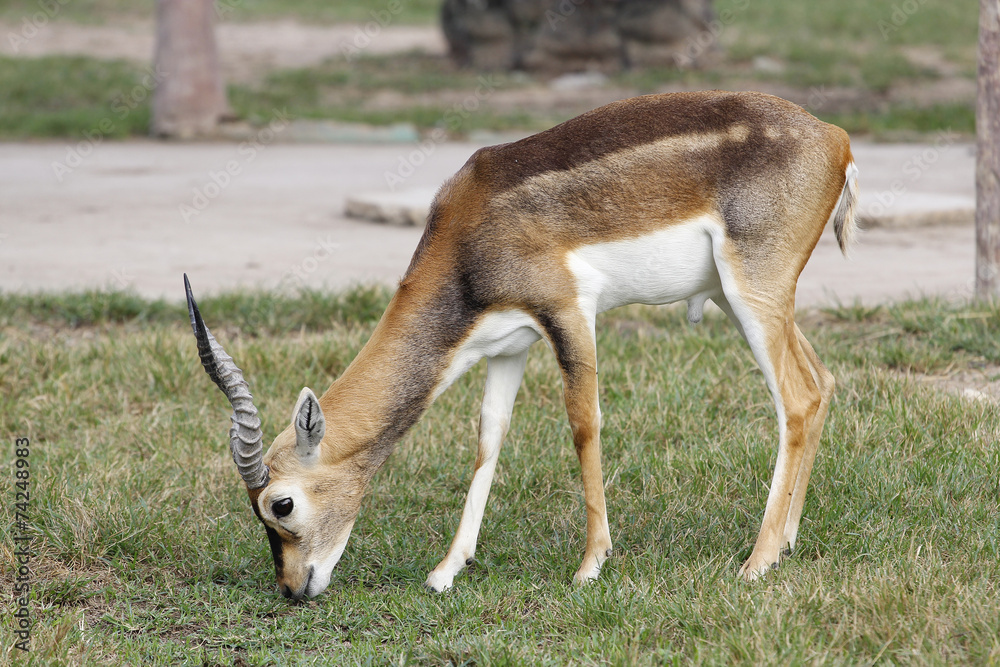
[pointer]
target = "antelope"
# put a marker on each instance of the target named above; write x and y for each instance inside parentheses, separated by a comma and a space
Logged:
(653, 200)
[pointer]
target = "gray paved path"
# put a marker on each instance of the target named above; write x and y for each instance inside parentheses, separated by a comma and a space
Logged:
(138, 214)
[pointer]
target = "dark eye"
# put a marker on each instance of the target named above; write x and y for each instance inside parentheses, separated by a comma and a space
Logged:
(282, 508)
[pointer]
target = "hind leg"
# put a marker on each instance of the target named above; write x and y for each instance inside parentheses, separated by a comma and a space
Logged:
(800, 387)
(572, 335)
(826, 383)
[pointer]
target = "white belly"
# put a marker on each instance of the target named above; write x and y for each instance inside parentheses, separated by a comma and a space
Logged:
(673, 264)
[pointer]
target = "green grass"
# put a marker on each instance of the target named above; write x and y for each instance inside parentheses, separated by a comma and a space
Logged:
(146, 551)
(343, 90)
(836, 30)
(255, 314)
(73, 96)
(907, 121)
(80, 98)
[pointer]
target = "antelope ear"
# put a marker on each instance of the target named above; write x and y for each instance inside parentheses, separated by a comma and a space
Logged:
(309, 426)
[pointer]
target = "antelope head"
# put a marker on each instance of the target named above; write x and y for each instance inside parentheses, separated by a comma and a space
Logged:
(301, 490)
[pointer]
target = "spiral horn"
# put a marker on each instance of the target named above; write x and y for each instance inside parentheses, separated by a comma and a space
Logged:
(245, 435)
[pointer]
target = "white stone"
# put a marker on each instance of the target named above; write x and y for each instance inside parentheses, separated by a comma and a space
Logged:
(405, 207)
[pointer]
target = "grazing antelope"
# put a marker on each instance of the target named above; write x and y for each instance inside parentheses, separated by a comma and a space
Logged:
(654, 200)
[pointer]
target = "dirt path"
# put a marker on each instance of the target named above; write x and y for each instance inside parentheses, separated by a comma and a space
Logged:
(247, 49)
(139, 214)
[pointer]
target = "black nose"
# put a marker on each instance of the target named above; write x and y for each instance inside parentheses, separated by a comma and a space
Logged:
(299, 594)
(295, 596)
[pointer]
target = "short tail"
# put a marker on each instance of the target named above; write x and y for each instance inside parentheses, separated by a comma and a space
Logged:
(845, 218)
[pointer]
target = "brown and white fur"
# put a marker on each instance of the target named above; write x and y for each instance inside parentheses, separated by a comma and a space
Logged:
(653, 200)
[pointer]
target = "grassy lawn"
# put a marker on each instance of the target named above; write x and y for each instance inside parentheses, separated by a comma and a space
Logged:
(71, 96)
(866, 65)
(146, 551)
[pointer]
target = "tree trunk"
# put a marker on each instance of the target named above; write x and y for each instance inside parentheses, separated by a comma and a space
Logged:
(988, 153)
(189, 98)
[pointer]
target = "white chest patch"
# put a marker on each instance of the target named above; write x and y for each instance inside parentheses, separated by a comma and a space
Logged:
(673, 264)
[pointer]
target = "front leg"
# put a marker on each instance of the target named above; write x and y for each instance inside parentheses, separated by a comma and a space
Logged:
(503, 377)
(585, 419)
(577, 356)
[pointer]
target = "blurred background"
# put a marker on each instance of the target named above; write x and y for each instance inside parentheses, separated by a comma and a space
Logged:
(891, 69)
(139, 138)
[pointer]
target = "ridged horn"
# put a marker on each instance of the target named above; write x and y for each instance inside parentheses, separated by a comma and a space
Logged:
(245, 436)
